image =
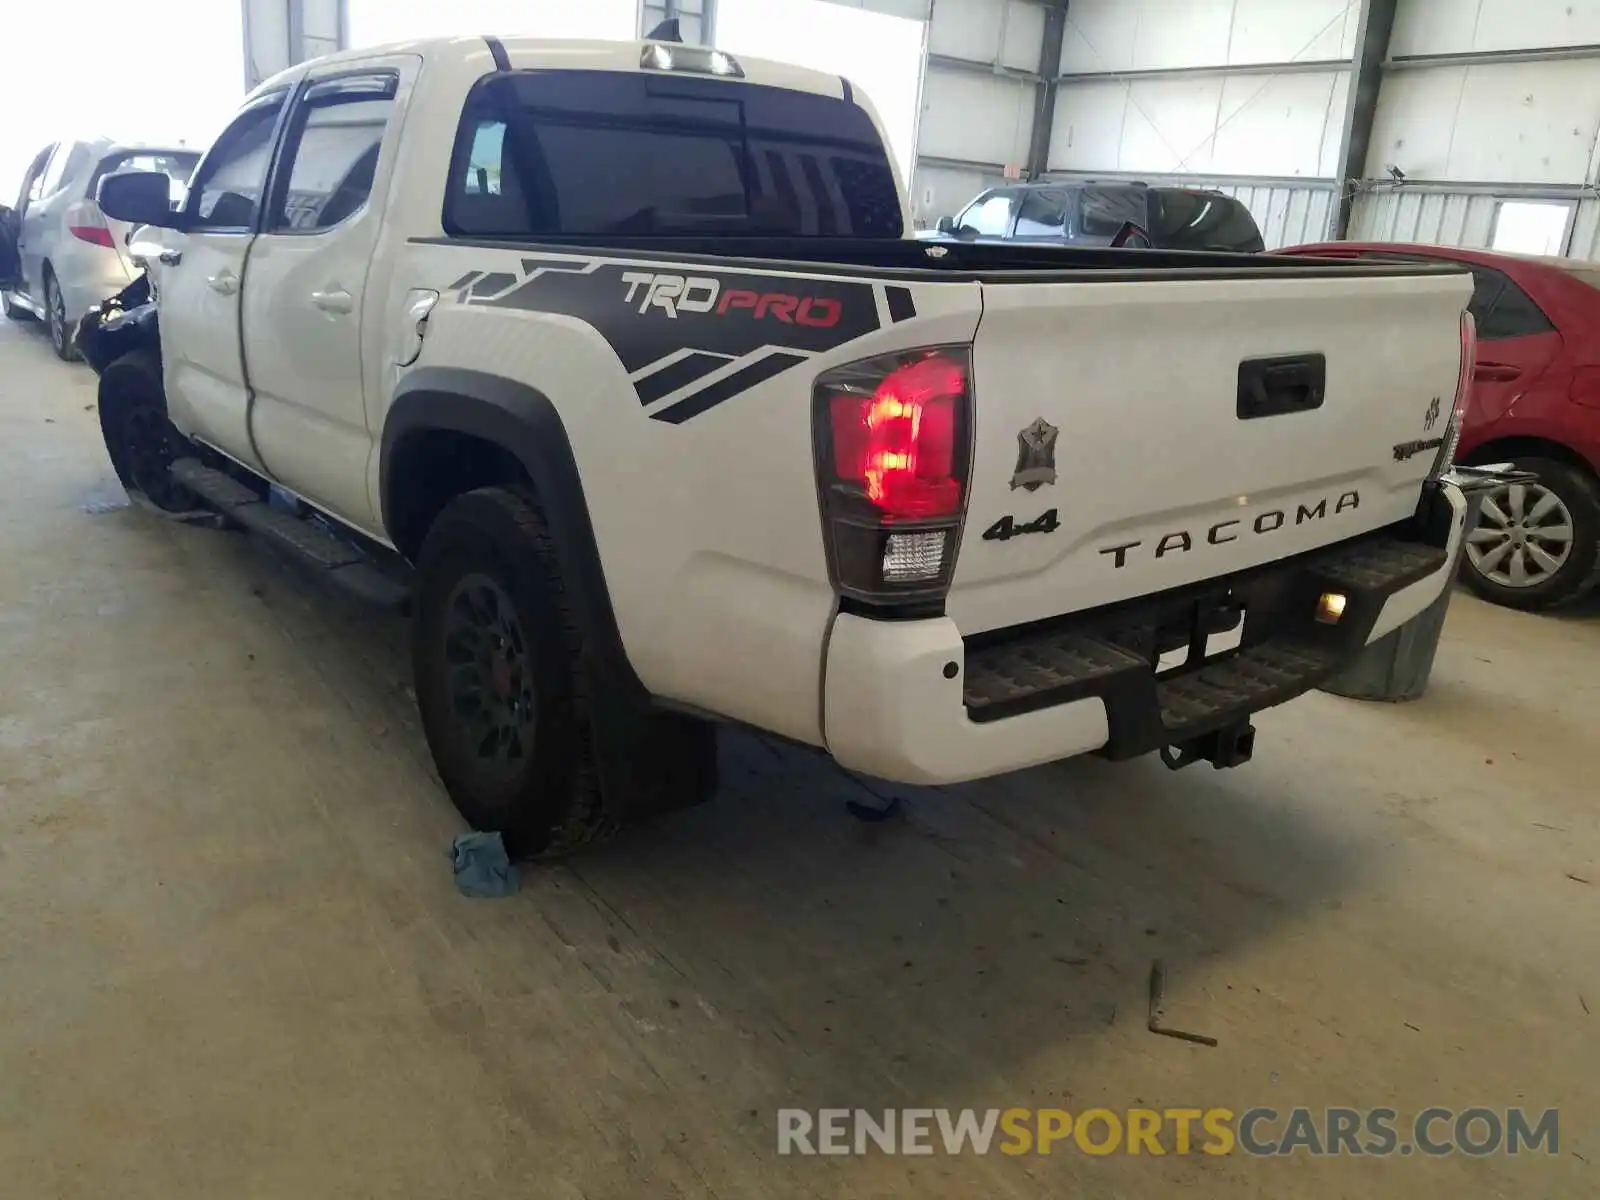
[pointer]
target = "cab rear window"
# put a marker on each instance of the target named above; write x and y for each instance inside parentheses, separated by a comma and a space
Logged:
(572, 154)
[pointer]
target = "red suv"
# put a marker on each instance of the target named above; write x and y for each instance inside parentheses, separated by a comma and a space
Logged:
(1535, 402)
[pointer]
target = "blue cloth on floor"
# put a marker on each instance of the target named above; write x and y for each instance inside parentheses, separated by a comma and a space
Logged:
(483, 869)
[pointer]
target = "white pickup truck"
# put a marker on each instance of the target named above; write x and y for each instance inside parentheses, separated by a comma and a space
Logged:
(618, 365)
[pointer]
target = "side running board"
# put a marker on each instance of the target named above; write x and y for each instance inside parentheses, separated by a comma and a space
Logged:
(332, 557)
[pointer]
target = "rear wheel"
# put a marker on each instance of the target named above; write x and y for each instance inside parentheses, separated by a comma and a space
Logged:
(1536, 545)
(139, 438)
(495, 652)
(63, 338)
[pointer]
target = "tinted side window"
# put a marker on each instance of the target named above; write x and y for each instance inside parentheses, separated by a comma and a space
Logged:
(989, 216)
(1182, 220)
(1043, 214)
(1502, 309)
(228, 186)
(581, 153)
(332, 150)
(1106, 210)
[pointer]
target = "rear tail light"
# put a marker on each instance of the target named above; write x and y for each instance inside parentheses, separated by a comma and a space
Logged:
(87, 223)
(893, 444)
(1458, 413)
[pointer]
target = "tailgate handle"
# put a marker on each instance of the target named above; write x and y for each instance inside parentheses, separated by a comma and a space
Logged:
(1270, 387)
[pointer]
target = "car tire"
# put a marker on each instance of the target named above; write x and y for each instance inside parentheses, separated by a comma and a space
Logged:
(1552, 526)
(63, 335)
(14, 311)
(496, 659)
(139, 437)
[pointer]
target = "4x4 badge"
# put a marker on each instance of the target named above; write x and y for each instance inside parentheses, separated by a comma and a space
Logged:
(1431, 417)
(1036, 456)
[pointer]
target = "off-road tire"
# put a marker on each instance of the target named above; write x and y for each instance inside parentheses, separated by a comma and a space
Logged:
(545, 800)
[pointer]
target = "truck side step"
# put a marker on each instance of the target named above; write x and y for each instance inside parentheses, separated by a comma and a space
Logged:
(340, 561)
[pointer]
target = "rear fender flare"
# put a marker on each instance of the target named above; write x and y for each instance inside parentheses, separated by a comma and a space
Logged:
(522, 420)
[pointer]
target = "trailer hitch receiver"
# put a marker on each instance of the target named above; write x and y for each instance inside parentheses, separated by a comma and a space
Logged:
(1231, 746)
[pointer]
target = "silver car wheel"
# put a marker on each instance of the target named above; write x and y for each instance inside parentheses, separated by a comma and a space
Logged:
(1524, 536)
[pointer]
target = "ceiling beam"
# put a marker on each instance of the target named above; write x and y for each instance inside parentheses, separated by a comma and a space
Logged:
(1486, 58)
(973, 66)
(1303, 66)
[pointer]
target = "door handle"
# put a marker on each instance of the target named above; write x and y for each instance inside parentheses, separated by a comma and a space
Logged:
(1488, 372)
(334, 300)
(169, 258)
(225, 282)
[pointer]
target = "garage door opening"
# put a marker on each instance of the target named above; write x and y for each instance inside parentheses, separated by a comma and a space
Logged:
(1531, 227)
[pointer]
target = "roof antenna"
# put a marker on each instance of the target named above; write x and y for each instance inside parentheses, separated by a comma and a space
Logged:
(667, 31)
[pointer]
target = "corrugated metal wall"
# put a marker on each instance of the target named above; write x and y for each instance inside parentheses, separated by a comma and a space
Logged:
(1433, 217)
(1502, 93)
(1440, 217)
(1288, 215)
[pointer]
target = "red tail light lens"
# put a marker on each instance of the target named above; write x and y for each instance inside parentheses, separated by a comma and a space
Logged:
(86, 223)
(1458, 413)
(900, 442)
(893, 444)
(97, 235)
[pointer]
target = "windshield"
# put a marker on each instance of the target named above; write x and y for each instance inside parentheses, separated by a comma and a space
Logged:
(630, 154)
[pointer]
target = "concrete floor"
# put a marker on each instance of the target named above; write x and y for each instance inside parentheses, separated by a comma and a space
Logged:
(233, 964)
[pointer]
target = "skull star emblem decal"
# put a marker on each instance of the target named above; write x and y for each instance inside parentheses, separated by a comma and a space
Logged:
(1036, 456)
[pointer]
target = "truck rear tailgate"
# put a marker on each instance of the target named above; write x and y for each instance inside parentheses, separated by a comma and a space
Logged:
(1122, 408)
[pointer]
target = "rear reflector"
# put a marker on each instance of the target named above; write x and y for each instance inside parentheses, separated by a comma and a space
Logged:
(893, 447)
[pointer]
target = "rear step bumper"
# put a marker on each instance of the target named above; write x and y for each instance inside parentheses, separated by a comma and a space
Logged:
(915, 702)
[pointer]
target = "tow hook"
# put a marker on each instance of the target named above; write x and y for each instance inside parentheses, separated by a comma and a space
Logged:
(1230, 746)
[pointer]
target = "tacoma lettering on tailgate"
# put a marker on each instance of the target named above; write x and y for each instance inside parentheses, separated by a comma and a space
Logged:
(1181, 541)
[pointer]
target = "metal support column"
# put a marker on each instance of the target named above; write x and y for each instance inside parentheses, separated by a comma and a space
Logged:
(297, 31)
(1361, 105)
(1044, 102)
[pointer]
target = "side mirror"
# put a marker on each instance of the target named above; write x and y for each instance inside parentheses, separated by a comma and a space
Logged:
(139, 198)
(947, 225)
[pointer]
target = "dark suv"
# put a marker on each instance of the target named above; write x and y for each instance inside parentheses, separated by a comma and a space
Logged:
(1111, 213)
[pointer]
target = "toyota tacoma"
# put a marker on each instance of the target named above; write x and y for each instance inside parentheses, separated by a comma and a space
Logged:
(617, 366)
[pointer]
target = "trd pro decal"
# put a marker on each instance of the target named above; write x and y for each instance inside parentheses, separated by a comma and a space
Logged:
(674, 330)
